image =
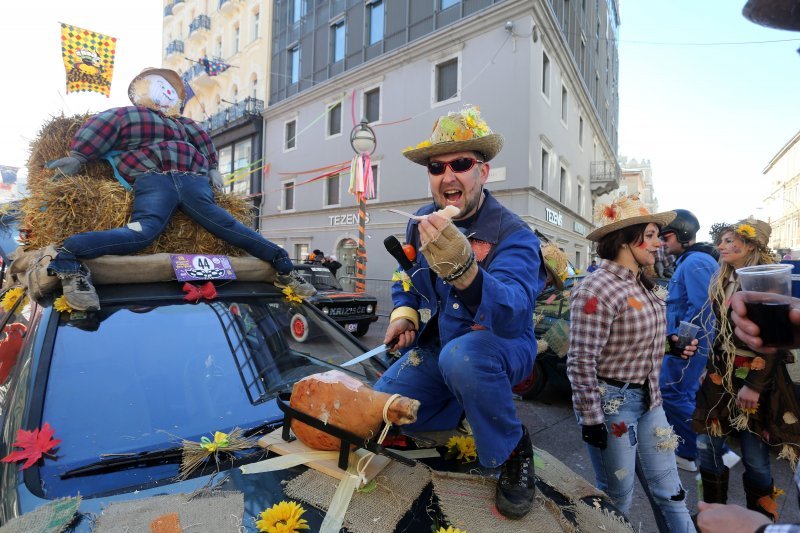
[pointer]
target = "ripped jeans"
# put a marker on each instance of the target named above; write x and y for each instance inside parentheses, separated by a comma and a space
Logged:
(640, 441)
(156, 198)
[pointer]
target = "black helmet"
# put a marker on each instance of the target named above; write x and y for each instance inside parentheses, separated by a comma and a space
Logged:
(685, 226)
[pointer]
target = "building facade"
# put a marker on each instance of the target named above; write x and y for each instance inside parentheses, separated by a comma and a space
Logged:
(543, 72)
(232, 35)
(782, 205)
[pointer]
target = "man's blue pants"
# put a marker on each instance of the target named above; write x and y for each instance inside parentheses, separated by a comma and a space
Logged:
(679, 383)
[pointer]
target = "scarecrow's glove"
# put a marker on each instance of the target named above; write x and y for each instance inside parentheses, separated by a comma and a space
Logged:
(449, 255)
(216, 179)
(66, 166)
(595, 435)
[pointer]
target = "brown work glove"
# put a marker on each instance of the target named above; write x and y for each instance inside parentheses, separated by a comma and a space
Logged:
(449, 254)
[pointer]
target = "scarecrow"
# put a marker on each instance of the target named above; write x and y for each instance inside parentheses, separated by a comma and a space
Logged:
(169, 162)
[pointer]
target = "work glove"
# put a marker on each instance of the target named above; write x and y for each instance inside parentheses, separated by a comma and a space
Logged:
(449, 255)
(595, 435)
(66, 166)
(216, 179)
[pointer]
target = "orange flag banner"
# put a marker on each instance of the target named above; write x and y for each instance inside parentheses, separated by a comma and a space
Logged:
(88, 59)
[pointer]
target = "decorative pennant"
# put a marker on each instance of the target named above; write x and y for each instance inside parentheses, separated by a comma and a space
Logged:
(88, 59)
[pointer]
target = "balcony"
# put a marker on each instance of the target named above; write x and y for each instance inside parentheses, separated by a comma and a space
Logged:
(175, 47)
(200, 25)
(194, 71)
(249, 107)
(227, 7)
(604, 177)
(177, 6)
(168, 11)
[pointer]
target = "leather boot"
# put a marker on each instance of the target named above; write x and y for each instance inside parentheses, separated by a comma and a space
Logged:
(761, 499)
(515, 488)
(715, 486)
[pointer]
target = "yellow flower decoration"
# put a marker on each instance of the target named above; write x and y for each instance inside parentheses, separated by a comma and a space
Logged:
(752, 410)
(291, 296)
(464, 447)
(450, 529)
(220, 441)
(11, 297)
(424, 144)
(408, 149)
(283, 517)
(746, 230)
(403, 278)
(777, 492)
(61, 305)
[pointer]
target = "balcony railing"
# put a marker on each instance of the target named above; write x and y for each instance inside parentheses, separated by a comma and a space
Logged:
(175, 47)
(201, 22)
(248, 107)
(194, 71)
(604, 176)
(168, 11)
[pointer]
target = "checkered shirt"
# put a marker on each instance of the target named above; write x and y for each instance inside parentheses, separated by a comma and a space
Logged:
(149, 142)
(618, 331)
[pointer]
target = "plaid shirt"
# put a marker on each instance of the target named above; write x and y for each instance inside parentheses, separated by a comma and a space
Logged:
(149, 141)
(618, 331)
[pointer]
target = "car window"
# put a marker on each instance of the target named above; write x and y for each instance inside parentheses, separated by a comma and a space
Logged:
(324, 279)
(134, 378)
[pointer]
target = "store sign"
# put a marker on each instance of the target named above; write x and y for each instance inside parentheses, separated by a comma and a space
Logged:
(554, 217)
(349, 219)
(579, 228)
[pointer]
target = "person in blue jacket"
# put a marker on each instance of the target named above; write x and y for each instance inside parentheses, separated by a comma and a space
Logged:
(465, 323)
(695, 264)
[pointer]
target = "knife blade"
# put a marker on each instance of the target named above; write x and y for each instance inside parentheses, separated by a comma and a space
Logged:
(366, 355)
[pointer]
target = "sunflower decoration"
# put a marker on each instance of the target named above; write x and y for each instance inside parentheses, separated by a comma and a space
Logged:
(461, 448)
(746, 230)
(195, 454)
(283, 517)
(449, 529)
(60, 304)
(291, 296)
(11, 297)
(403, 278)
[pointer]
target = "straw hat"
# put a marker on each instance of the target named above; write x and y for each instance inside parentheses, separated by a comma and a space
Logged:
(623, 212)
(171, 76)
(555, 261)
(749, 230)
(459, 131)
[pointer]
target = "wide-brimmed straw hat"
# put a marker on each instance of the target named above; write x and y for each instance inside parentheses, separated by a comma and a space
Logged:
(623, 212)
(170, 75)
(459, 131)
(556, 263)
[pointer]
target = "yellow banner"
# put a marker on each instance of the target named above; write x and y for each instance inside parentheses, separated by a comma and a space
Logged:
(88, 59)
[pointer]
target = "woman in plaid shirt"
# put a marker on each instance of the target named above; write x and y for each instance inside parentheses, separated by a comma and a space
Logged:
(617, 336)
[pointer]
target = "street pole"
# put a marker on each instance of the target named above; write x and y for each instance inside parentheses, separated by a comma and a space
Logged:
(362, 139)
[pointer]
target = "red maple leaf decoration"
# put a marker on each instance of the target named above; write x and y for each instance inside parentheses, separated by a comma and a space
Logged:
(34, 444)
(619, 430)
(590, 307)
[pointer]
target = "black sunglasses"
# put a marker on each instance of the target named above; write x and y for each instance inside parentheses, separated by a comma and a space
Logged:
(462, 164)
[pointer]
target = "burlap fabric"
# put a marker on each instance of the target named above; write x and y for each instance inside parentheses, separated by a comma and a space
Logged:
(220, 512)
(557, 337)
(398, 486)
(448, 253)
(51, 518)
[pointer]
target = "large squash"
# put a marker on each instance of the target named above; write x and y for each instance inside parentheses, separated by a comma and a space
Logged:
(339, 399)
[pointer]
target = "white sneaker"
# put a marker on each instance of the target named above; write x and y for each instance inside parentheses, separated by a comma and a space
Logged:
(685, 464)
(730, 459)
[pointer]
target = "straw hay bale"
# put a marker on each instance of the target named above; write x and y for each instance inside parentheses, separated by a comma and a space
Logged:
(95, 200)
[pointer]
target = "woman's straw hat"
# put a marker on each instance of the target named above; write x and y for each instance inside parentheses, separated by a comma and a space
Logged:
(556, 263)
(623, 212)
(460, 131)
(750, 230)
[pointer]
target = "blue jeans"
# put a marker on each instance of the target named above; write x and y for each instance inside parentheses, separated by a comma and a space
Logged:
(755, 456)
(156, 198)
(643, 444)
(472, 374)
(679, 383)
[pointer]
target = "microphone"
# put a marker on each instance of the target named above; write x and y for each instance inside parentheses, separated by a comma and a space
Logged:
(394, 247)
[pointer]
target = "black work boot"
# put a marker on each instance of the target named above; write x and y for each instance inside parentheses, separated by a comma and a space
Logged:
(515, 488)
(715, 486)
(761, 499)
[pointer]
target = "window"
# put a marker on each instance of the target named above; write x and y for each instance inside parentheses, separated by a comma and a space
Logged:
(545, 75)
(580, 198)
(218, 47)
(564, 104)
(241, 167)
(447, 80)
(337, 41)
(372, 104)
(335, 119)
(236, 35)
(300, 252)
(565, 22)
(545, 169)
(597, 38)
(298, 8)
(332, 190)
(254, 87)
(288, 196)
(375, 22)
(449, 3)
(582, 56)
(224, 160)
(256, 20)
(562, 190)
(375, 174)
(290, 132)
(580, 132)
(294, 64)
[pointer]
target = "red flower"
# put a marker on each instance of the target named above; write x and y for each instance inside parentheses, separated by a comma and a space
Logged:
(590, 307)
(34, 444)
(619, 430)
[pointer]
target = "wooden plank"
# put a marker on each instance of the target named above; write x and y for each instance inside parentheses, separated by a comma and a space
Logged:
(274, 443)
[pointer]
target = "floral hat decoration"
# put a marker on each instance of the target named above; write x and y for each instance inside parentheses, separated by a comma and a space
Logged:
(623, 212)
(458, 131)
(749, 230)
(555, 261)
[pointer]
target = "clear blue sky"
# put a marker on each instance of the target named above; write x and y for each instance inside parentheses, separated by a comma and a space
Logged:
(708, 117)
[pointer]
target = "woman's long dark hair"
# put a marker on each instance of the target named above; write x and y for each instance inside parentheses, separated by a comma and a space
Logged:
(608, 247)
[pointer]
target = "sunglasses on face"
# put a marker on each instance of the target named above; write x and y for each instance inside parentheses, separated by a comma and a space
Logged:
(462, 164)
(665, 236)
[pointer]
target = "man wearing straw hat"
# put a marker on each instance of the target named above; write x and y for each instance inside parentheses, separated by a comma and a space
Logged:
(465, 324)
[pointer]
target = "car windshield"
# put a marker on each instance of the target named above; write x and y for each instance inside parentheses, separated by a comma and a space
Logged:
(135, 378)
(321, 278)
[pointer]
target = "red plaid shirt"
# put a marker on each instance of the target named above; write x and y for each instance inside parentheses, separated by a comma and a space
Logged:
(617, 330)
(149, 142)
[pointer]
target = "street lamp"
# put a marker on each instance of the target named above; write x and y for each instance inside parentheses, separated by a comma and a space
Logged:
(363, 142)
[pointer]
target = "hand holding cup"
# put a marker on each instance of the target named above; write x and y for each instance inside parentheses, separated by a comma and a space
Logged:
(766, 291)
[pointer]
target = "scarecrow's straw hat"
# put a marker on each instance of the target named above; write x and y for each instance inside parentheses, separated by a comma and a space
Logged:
(623, 212)
(170, 75)
(555, 261)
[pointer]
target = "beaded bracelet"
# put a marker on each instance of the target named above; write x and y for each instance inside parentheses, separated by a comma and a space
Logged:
(460, 271)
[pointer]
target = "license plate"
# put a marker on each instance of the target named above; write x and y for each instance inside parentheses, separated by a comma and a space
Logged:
(351, 327)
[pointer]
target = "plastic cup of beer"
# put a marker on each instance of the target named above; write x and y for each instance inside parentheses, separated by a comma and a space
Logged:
(766, 292)
(687, 332)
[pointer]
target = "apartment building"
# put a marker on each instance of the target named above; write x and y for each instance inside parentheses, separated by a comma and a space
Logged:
(782, 205)
(232, 34)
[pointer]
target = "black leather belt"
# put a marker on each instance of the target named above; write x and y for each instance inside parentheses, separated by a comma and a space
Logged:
(620, 384)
